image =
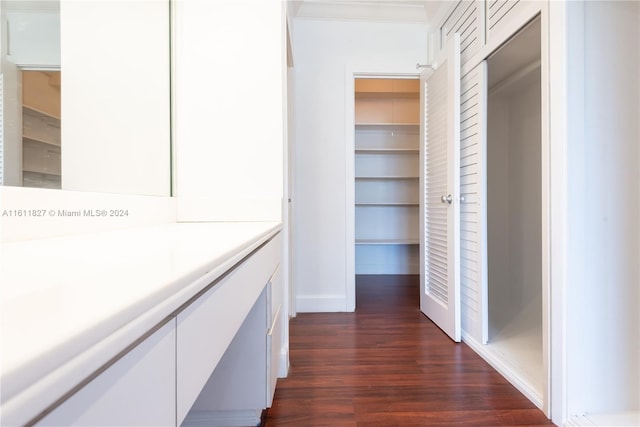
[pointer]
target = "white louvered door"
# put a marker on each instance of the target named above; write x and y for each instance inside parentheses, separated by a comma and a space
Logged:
(466, 19)
(473, 236)
(440, 190)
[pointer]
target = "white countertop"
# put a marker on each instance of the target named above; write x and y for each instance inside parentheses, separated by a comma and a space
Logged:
(68, 305)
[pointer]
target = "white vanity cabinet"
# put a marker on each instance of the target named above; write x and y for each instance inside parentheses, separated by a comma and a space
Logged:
(225, 330)
(203, 337)
(136, 390)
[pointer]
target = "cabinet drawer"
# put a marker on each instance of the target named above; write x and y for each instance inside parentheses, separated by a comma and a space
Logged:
(137, 390)
(207, 327)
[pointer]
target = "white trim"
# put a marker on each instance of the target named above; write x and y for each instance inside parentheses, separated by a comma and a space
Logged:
(505, 370)
(578, 421)
(545, 199)
(557, 134)
(481, 326)
(222, 418)
(350, 209)
(283, 363)
(321, 303)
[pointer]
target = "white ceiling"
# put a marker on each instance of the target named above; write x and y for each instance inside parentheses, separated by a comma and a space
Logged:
(410, 11)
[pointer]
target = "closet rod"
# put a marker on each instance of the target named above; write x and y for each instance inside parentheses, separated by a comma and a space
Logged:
(418, 66)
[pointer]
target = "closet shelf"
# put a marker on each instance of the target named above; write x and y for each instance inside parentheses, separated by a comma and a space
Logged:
(387, 151)
(388, 126)
(41, 171)
(40, 140)
(387, 95)
(390, 204)
(387, 241)
(39, 112)
(385, 178)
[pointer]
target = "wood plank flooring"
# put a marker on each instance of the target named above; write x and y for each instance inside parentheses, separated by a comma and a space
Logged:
(389, 365)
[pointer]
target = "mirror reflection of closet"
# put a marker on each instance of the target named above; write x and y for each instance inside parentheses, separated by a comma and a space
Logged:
(62, 58)
(41, 137)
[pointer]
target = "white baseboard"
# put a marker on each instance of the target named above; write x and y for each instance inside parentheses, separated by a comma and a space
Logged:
(283, 367)
(505, 370)
(606, 419)
(578, 421)
(321, 303)
(223, 418)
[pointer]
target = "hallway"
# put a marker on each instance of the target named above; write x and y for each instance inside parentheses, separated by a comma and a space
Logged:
(388, 365)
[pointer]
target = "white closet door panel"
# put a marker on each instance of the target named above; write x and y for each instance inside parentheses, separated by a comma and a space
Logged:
(470, 220)
(467, 150)
(471, 170)
(470, 198)
(466, 19)
(440, 180)
(469, 159)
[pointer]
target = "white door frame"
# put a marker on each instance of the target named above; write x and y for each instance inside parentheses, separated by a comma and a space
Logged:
(353, 71)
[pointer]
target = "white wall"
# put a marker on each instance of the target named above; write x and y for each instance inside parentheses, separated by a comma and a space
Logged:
(525, 191)
(323, 50)
(499, 291)
(37, 213)
(603, 323)
(229, 121)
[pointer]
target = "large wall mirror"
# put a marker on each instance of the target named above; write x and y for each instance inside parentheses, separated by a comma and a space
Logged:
(85, 102)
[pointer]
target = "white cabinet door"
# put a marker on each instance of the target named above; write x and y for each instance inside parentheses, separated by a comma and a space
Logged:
(440, 191)
(137, 390)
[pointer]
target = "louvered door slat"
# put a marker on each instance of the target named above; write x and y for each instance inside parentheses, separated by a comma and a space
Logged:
(465, 19)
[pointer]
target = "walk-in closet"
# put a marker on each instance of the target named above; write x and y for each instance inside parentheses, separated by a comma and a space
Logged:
(41, 135)
(386, 159)
(514, 206)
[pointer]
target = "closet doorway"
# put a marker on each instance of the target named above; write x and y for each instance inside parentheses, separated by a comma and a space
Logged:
(386, 177)
(514, 208)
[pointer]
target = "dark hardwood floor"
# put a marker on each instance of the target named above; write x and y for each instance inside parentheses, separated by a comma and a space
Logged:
(389, 365)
